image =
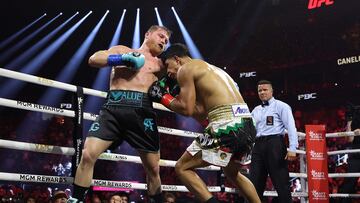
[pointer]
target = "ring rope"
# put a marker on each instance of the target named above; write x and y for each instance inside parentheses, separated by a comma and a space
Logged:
(70, 151)
(132, 185)
(329, 135)
(60, 85)
(340, 134)
(95, 182)
(122, 157)
(72, 88)
(91, 116)
(347, 151)
(87, 116)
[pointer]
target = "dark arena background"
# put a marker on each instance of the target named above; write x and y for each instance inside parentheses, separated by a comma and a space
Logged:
(309, 49)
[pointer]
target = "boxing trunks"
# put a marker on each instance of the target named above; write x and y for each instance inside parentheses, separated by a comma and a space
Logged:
(230, 135)
(127, 115)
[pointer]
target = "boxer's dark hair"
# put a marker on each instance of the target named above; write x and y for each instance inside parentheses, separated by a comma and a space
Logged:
(176, 49)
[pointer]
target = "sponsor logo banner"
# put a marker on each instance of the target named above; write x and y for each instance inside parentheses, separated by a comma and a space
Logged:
(317, 166)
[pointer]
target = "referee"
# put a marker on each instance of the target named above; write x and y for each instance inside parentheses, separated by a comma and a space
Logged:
(270, 155)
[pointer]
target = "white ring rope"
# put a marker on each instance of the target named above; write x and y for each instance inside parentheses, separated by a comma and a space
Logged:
(87, 116)
(328, 135)
(132, 185)
(340, 134)
(346, 151)
(70, 151)
(95, 182)
(60, 85)
(122, 157)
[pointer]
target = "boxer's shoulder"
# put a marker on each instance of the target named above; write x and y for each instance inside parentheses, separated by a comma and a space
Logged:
(121, 49)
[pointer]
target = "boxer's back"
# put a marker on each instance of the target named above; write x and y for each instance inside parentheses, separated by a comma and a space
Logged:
(214, 86)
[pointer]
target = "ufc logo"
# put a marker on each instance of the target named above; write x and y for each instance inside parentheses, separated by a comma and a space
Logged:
(306, 96)
(248, 74)
(317, 3)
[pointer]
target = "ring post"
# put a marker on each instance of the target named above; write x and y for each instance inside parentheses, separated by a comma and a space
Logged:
(317, 167)
(78, 128)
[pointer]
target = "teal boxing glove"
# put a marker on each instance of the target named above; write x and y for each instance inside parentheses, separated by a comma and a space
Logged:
(132, 60)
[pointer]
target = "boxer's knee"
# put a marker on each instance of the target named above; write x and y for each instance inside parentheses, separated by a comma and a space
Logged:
(88, 158)
(153, 170)
(179, 168)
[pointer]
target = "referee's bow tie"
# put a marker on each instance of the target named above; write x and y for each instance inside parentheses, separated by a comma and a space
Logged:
(265, 103)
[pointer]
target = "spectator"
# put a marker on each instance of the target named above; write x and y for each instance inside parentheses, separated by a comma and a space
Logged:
(95, 198)
(169, 198)
(30, 200)
(59, 197)
(119, 197)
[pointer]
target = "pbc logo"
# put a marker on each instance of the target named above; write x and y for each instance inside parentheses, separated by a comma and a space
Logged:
(248, 74)
(317, 3)
(65, 106)
(306, 96)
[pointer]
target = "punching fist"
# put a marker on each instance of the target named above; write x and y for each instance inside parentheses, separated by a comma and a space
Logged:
(132, 60)
(171, 85)
(158, 93)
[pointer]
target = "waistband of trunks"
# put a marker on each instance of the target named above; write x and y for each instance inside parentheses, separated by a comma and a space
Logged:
(128, 98)
(229, 111)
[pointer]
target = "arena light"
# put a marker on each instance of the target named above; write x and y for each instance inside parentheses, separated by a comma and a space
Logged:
(93, 104)
(52, 95)
(22, 42)
(160, 23)
(136, 37)
(12, 87)
(21, 59)
(194, 52)
(12, 37)
(158, 17)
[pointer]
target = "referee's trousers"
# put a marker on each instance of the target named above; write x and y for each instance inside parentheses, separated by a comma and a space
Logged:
(268, 157)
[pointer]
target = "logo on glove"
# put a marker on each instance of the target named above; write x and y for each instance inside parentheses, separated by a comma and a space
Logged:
(155, 92)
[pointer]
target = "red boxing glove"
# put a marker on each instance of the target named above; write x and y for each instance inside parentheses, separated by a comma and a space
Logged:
(166, 100)
(158, 93)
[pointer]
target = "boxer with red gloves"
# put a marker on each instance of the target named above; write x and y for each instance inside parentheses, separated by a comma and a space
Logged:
(208, 91)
